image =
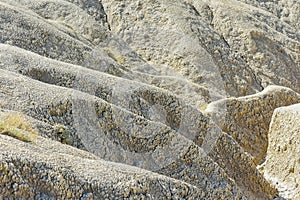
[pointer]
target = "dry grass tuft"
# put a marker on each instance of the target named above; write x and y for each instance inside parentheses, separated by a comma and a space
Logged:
(120, 59)
(203, 107)
(15, 125)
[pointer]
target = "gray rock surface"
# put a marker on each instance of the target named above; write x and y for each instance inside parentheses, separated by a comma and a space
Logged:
(128, 82)
(229, 46)
(247, 118)
(147, 144)
(63, 172)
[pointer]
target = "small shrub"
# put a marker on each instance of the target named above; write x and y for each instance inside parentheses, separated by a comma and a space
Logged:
(15, 125)
(62, 134)
(55, 112)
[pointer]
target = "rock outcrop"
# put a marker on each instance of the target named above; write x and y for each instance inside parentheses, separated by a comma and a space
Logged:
(247, 118)
(151, 99)
(283, 156)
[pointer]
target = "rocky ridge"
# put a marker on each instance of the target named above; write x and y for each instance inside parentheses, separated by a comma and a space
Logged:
(159, 99)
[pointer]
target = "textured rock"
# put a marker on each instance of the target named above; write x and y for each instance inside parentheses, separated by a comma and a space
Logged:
(247, 118)
(260, 42)
(109, 142)
(48, 170)
(240, 167)
(117, 135)
(127, 81)
(282, 163)
(287, 11)
(229, 46)
(57, 36)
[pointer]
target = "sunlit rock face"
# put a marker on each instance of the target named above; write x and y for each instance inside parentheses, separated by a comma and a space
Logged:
(148, 99)
(281, 167)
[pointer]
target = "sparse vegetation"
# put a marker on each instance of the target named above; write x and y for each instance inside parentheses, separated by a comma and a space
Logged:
(62, 134)
(203, 107)
(120, 59)
(15, 125)
(114, 54)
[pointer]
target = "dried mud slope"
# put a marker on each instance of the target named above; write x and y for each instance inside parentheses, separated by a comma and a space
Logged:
(147, 99)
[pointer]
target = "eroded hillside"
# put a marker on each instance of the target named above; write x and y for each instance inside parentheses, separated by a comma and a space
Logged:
(150, 99)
